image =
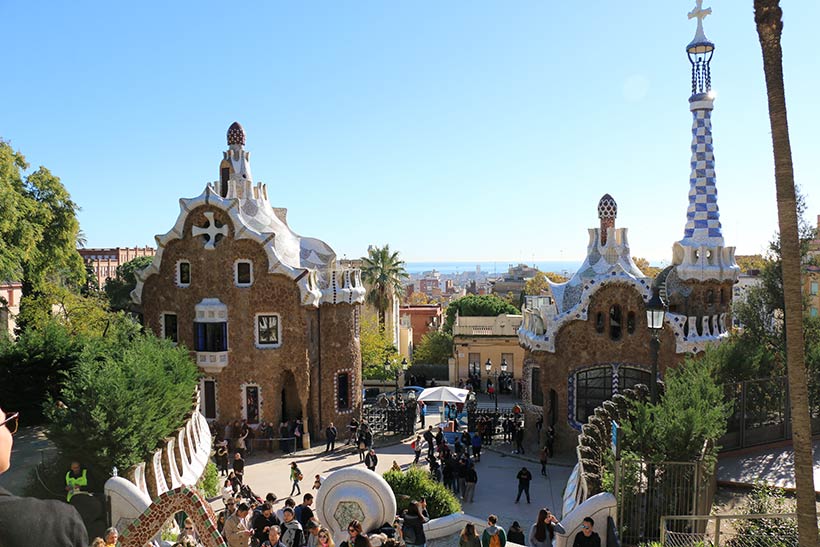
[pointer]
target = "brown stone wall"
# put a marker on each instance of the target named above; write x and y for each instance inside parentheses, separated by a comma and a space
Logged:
(339, 352)
(703, 299)
(292, 369)
(579, 345)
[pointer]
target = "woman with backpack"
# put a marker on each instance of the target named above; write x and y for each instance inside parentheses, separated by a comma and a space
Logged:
(295, 476)
(412, 530)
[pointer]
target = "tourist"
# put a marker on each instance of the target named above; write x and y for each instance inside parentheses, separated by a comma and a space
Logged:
(297, 433)
(325, 539)
(295, 476)
(30, 521)
(428, 437)
(98, 542)
(317, 482)
(357, 537)
(262, 521)
(470, 480)
(330, 436)
(440, 438)
(469, 537)
(461, 474)
(467, 441)
(228, 489)
(222, 457)
(412, 529)
(448, 473)
(494, 535)
(519, 440)
(188, 532)
(274, 535)
(542, 532)
(371, 460)
(516, 534)
(395, 467)
(542, 457)
(303, 512)
(587, 537)
(230, 504)
(539, 424)
(524, 477)
(237, 532)
(416, 446)
(312, 529)
(76, 480)
(476, 442)
(111, 536)
(435, 468)
(280, 513)
(550, 439)
(292, 533)
(241, 445)
(238, 467)
(361, 442)
(353, 431)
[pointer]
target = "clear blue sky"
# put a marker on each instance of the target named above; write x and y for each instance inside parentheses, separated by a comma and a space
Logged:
(459, 130)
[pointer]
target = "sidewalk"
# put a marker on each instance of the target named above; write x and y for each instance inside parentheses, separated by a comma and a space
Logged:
(771, 465)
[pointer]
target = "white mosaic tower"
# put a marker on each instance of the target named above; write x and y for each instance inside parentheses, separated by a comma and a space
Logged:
(702, 253)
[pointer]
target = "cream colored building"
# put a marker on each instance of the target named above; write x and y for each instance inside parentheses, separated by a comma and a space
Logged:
(476, 339)
(10, 294)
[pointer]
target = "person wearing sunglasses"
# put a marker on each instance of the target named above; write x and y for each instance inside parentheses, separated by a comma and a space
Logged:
(188, 532)
(356, 535)
(30, 521)
(587, 537)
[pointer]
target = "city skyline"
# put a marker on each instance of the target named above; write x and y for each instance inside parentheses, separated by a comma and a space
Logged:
(451, 134)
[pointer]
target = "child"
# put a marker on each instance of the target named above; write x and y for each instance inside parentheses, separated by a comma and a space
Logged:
(317, 482)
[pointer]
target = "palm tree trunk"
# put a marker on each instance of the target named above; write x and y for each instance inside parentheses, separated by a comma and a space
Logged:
(768, 17)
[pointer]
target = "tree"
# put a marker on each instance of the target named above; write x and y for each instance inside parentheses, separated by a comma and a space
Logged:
(556, 277)
(769, 22)
(418, 299)
(376, 348)
(435, 348)
(643, 265)
(384, 272)
(119, 288)
(750, 262)
(476, 305)
(537, 285)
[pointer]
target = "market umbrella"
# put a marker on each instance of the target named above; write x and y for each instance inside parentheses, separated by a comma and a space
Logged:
(444, 394)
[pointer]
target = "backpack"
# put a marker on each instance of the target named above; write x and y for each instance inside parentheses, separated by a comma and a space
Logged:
(495, 541)
(413, 445)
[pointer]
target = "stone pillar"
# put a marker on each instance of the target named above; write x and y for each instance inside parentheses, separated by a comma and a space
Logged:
(305, 424)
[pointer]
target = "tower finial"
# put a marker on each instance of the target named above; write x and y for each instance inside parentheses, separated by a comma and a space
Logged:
(700, 51)
(607, 212)
(236, 134)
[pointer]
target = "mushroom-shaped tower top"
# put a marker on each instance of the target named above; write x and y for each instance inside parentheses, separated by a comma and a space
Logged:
(236, 134)
(607, 208)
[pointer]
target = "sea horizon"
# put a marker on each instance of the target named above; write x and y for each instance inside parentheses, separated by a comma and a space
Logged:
(489, 266)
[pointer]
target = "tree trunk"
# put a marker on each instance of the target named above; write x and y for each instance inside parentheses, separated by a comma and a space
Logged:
(768, 17)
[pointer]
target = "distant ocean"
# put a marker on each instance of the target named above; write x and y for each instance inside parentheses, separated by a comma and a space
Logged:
(489, 267)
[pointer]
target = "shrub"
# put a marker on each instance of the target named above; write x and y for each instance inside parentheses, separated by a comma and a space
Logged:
(763, 500)
(124, 396)
(209, 483)
(416, 483)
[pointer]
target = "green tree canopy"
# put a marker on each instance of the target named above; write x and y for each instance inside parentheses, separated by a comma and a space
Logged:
(376, 348)
(477, 305)
(119, 288)
(435, 348)
(384, 272)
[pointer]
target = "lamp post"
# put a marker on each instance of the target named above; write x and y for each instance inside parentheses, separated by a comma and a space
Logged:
(397, 372)
(655, 312)
(494, 373)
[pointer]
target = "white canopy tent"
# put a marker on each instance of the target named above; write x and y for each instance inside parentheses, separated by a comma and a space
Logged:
(443, 394)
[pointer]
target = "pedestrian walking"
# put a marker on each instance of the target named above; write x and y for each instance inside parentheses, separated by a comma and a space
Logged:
(542, 532)
(524, 477)
(353, 431)
(469, 537)
(542, 457)
(222, 457)
(238, 467)
(428, 437)
(296, 476)
(237, 529)
(470, 481)
(330, 435)
(416, 446)
(519, 440)
(476, 441)
(550, 439)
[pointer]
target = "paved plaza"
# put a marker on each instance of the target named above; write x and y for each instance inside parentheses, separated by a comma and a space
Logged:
(773, 465)
(495, 491)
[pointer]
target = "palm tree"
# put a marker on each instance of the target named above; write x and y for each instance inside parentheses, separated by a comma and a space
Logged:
(384, 272)
(768, 18)
(80, 239)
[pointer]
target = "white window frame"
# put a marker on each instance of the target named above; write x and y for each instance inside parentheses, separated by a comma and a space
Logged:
(256, 331)
(178, 273)
(236, 272)
(162, 325)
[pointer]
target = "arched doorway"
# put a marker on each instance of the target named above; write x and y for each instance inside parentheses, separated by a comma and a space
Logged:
(291, 405)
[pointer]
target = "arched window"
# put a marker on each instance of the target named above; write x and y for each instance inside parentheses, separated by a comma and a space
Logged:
(599, 322)
(615, 322)
(710, 297)
(630, 322)
(592, 387)
(630, 377)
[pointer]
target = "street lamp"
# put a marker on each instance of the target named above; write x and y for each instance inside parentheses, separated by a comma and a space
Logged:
(489, 367)
(655, 312)
(397, 372)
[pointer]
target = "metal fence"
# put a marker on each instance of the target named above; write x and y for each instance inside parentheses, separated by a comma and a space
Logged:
(492, 421)
(761, 414)
(386, 420)
(646, 491)
(749, 530)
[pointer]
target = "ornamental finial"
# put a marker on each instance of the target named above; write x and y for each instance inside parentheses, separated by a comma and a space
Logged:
(700, 51)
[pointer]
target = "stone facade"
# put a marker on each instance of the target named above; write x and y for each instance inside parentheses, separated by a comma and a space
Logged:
(270, 320)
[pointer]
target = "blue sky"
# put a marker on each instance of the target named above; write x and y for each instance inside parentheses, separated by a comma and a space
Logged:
(451, 130)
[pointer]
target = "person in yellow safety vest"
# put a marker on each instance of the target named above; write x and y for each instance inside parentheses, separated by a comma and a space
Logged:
(76, 480)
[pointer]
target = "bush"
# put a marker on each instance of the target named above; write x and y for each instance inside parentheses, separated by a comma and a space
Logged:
(416, 483)
(125, 395)
(763, 500)
(209, 483)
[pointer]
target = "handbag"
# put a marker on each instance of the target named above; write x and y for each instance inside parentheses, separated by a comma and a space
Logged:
(362, 446)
